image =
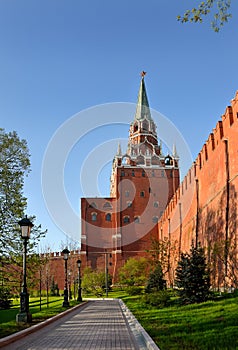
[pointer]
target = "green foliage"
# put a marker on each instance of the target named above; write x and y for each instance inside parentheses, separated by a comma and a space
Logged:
(14, 165)
(134, 272)
(93, 282)
(156, 280)
(220, 15)
(158, 299)
(192, 277)
(5, 296)
(133, 290)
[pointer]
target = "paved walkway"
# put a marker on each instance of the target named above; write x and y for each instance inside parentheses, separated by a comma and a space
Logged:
(99, 324)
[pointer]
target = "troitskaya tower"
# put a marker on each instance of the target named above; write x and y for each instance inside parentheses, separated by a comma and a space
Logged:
(143, 180)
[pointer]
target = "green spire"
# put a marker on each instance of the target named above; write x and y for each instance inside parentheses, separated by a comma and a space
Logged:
(142, 108)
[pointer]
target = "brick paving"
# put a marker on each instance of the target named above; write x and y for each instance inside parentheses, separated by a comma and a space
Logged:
(99, 325)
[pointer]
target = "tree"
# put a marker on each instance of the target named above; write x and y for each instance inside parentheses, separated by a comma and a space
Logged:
(14, 165)
(134, 272)
(192, 276)
(220, 8)
(93, 282)
(156, 281)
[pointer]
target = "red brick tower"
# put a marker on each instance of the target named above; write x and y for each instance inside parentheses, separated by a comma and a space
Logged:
(143, 181)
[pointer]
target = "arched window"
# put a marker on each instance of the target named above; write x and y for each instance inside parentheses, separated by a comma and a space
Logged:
(156, 204)
(126, 219)
(142, 194)
(94, 216)
(93, 205)
(108, 217)
(145, 125)
(107, 205)
(168, 160)
(129, 204)
(135, 127)
(136, 219)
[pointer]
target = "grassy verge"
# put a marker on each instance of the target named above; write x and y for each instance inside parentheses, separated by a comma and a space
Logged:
(206, 326)
(8, 323)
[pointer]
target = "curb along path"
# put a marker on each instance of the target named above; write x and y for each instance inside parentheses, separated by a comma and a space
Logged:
(99, 324)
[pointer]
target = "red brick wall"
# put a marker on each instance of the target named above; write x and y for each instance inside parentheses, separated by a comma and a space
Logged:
(204, 208)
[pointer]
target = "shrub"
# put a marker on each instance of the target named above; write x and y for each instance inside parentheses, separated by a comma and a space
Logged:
(158, 299)
(5, 295)
(133, 290)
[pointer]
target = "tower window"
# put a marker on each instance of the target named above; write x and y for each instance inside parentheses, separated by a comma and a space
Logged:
(143, 173)
(126, 219)
(122, 173)
(142, 194)
(133, 173)
(156, 204)
(136, 219)
(107, 205)
(93, 205)
(127, 193)
(129, 204)
(94, 216)
(108, 217)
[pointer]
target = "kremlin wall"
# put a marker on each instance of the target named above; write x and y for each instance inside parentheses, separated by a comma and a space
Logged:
(204, 207)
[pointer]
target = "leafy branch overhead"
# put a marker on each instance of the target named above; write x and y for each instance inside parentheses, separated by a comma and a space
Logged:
(220, 8)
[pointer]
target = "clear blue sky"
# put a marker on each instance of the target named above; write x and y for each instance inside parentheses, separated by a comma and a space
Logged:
(60, 57)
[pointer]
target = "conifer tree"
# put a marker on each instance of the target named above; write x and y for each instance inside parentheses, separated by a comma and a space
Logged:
(156, 280)
(192, 276)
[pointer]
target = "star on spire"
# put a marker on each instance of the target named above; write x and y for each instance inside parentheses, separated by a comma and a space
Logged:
(143, 73)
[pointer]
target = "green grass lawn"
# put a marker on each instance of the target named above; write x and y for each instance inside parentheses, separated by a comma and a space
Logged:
(8, 323)
(206, 326)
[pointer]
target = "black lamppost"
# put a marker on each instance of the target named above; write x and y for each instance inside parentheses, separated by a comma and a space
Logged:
(66, 293)
(24, 315)
(79, 278)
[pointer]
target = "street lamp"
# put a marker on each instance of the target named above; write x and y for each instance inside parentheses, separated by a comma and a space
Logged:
(79, 278)
(66, 294)
(24, 315)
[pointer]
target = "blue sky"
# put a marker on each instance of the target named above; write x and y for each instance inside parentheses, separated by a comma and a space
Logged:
(61, 57)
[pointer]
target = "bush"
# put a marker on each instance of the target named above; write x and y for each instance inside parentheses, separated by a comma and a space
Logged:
(158, 299)
(133, 290)
(5, 295)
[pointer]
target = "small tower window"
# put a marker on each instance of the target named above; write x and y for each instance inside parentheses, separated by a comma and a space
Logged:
(94, 216)
(156, 204)
(108, 217)
(107, 205)
(136, 219)
(142, 194)
(92, 205)
(143, 173)
(133, 173)
(127, 193)
(126, 219)
(129, 204)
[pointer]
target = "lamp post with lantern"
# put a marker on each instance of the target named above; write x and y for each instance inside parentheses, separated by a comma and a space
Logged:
(79, 280)
(66, 293)
(24, 315)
